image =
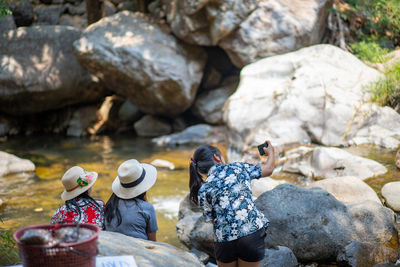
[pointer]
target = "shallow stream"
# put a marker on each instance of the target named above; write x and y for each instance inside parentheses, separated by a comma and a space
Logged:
(33, 198)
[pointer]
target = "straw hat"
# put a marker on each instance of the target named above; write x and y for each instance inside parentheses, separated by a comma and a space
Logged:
(76, 181)
(134, 178)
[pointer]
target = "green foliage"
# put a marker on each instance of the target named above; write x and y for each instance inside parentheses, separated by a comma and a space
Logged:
(370, 51)
(8, 249)
(4, 10)
(378, 18)
(385, 90)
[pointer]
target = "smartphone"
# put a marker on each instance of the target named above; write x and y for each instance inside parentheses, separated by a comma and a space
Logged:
(261, 150)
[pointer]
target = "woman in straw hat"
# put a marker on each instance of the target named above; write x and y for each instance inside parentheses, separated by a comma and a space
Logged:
(127, 211)
(79, 206)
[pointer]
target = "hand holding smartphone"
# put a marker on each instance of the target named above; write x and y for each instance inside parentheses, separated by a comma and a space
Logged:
(261, 149)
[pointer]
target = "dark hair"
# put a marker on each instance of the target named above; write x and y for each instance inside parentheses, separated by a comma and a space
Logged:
(201, 162)
(74, 206)
(113, 204)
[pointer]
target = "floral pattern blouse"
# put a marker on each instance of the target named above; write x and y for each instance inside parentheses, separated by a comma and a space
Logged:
(226, 199)
(89, 213)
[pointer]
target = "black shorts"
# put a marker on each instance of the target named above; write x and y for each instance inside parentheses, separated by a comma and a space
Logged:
(249, 248)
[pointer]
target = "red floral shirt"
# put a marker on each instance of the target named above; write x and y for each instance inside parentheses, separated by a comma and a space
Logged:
(89, 213)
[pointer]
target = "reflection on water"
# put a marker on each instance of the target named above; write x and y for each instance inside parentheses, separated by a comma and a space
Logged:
(32, 198)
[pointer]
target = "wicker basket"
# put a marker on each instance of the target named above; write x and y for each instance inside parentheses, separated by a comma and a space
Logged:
(64, 254)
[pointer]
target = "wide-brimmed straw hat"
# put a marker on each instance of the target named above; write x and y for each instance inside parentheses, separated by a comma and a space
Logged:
(76, 181)
(134, 178)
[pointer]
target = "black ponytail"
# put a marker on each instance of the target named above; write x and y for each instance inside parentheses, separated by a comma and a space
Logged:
(201, 163)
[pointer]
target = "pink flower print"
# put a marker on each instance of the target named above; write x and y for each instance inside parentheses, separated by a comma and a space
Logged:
(89, 177)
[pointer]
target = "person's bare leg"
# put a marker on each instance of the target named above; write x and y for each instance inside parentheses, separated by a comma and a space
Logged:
(230, 264)
(242, 263)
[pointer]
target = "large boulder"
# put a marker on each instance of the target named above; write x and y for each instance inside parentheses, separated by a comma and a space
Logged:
(316, 226)
(312, 95)
(39, 71)
(7, 23)
(206, 22)
(146, 253)
(249, 30)
(12, 164)
(348, 189)
(330, 162)
(277, 27)
(310, 222)
(138, 59)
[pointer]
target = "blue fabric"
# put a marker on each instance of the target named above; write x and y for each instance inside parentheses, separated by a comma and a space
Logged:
(138, 219)
(226, 199)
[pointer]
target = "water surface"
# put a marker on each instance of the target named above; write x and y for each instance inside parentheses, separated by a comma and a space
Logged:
(33, 198)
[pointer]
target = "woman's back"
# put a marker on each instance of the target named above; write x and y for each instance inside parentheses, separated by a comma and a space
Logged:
(84, 211)
(138, 218)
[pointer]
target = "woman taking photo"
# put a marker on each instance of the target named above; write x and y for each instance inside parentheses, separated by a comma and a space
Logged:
(224, 194)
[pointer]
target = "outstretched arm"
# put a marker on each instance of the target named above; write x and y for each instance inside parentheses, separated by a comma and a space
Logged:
(268, 167)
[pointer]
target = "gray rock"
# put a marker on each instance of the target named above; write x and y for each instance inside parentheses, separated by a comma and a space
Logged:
(330, 162)
(279, 257)
(391, 193)
(211, 78)
(161, 163)
(40, 72)
(277, 27)
(151, 126)
(204, 22)
(297, 98)
(209, 104)
(49, 15)
(127, 5)
(146, 253)
(3, 129)
(347, 189)
(197, 134)
(12, 164)
(249, 30)
(358, 254)
(397, 160)
(77, 10)
(81, 120)
(76, 21)
(187, 208)
(299, 216)
(7, 23)
(179, 124)
(141, 61)
(22, 11)
(110, 8)
(129, 112)
(194, 232)
(259, 186)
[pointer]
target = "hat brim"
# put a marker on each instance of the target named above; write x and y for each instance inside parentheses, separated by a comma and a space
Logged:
(148, 181)
(76, 192)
